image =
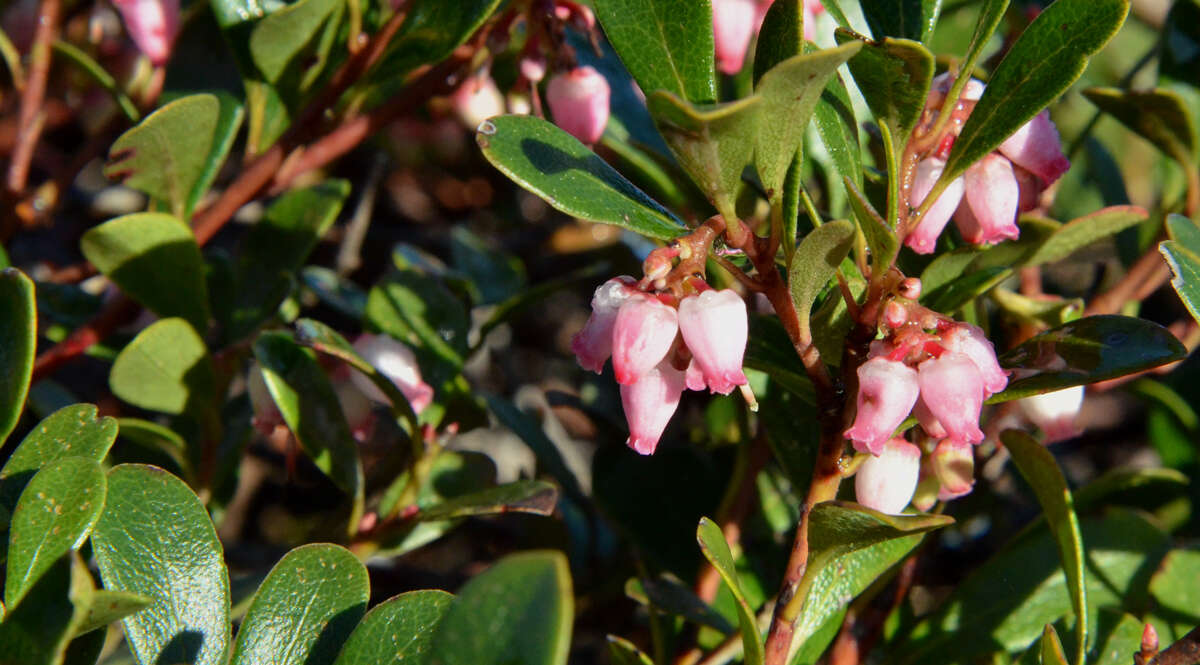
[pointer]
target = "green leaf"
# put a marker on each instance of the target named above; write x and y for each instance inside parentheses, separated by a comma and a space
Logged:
(1185, 274)
(781, 36)
(953, 296)
(155, 260)
(1160, 116)
(716, 550)
(109, 606)
(555, 166)
(837, 528)
(1091, 349)
(18, 343)
(1180, 58)
(310, 408)
(171, 151)
(229, 121)
(1079, 233)
(894, 77)
(908, 19)
(1116, 481)
(838, 129)
(305, 609)
(1046, 59)
(881, 239)
(1174, 584)
(429, 34)
(279, 37)
(165, 368)
(36, 632)
(54, 515)
(519, 611)
(155, 437)
(155, 538)
(1041, 312)
(789, 92)
(494, 275)
(420, 310)
(814, 264)
(665, 44)
(523, 496)
(666, 592)
(1051, 647)
(769, 350)
(397, 631)
(1120, 644)
(623, 652)
(1039, 469)
(713, 143)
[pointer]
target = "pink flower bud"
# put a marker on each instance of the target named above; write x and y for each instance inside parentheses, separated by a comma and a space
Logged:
(643, 333)
(714, 327)
(533, 67)
(578, 101)
(1149, 640)
(923, 239)
(593, 345)
(971, 341)
(476, 100)
(398, 363)
(952, 388)
(886, 482)
(1054, 412)
(152, 24)
(733, 27)
(887, 390)
(992, 195)
(649, 404)
(1037, 147)
(954, 465)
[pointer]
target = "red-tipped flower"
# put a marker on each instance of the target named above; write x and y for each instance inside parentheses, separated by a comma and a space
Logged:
(714, 327)
(887, 390)
(952, 388)
(1037, 147)
(643, 333)
(593, 345)
(923, 239)
(649, 404)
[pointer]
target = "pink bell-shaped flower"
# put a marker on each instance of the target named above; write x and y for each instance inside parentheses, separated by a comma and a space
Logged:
(1054, 412)
(734, 24)
(952, 388)
(398, 363)
(1037, 147)
(152, 24)
(593, 345)
(886, 482)
(714, 327)
(954, 465)
(643, 333)
(971, 341)
(578, 101)
(887, 390)
(649, 404)
(991, 194)
(929, 423)
(923, 239)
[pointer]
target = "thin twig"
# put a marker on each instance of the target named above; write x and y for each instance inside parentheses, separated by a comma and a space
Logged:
(1143, 278)
(32, 96)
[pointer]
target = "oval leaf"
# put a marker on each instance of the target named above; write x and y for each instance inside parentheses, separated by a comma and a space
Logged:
(1160, 116)
(814, 263)
(284, 33)
(109, 606)
(18, 342)
(894, 76)
(1174, 584)
(665, 44)
(524, 496)
(716, 550)
(1079, 233)
(37, 631)
(396, 631)
(155, 538)
(305, 608)
(165, 368)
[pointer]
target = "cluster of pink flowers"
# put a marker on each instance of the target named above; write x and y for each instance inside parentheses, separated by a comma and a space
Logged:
(736, 22)
(661, 346)
(938, 370)
(986, 200)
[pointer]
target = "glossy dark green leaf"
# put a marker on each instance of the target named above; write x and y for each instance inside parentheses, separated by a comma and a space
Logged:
(335, 291)
(1041, 472)
(669, 594)
(305, 609)
(420, 310)
(36, 631)
(169, 152)
(155, 260)
(1049, 55)
(155, 538)
(1174, 584)
(1180, 58)
(713, 143)
(280, 36)
(555, 166)
(1182, 253)
(523, 496)
(716, 550)
(1160, 116)
(165, 368)
(837, 528)
(310, 408)
(397, 631)
(1091, 349)
(18, 342)
(781, 36)
(838, 128)
(831, 323)
(430, 33)
(814, 264)
(1079, 233)
(665, 44)
(54, 515)
(908, 19)
(109, 606)
(518, 611)
(894, 77)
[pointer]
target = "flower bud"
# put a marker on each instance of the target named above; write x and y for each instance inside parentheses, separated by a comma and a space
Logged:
(578, 101)
(476, 100)
(593, 345)
(954, 465)
(398, 363)
(1054, 412)
(1037, 148)
(733, 27)
(952, 388)
(971, 341)
(533, 67)
(152, 24)
(923, 239)
(992, 195)
(643, 333)
(887, 390)
(649, 404)
(714, 327)
(886, 482)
